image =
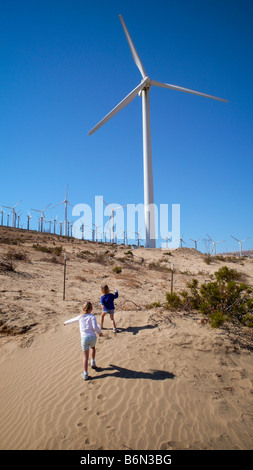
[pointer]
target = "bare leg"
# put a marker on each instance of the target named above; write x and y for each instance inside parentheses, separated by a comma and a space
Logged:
(102, 319)
(93, 353)
(113, 321)
(85, 360)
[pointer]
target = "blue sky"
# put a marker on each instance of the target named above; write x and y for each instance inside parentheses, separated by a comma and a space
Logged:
(66, 63)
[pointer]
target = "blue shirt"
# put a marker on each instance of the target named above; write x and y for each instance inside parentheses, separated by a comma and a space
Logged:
(107, 301)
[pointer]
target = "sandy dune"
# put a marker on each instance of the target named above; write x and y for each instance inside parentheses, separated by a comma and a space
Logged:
(166, 380)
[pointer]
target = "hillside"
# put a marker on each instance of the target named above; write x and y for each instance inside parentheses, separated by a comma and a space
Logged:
(162, 367)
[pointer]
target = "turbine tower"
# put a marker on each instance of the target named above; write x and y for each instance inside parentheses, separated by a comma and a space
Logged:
(28, 220)
(13, 213)
(2, 216)
(181, 241)
(240, 243)
(195, 242)
(143, 89)
(214, 244)
(111, 217)
(66, 202)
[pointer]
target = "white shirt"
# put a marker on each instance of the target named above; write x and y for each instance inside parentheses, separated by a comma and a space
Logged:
(87, 323)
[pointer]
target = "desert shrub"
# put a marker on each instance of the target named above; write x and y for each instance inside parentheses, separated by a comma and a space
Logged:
(16, 255)
(158, 267)
(224, 299)
(227, 274)
(154, 305)
(57, 250)
(117, 269)
(173, 301)
(207, 259)
(129, 252)
(7, 266)
(217, 319)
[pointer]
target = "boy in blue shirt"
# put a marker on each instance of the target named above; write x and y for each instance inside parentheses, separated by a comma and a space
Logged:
(107, 302)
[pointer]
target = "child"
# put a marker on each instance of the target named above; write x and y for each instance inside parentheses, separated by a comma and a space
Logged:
(88, 327)
(108, 305)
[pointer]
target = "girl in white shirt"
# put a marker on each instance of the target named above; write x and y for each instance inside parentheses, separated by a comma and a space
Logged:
(88, 328)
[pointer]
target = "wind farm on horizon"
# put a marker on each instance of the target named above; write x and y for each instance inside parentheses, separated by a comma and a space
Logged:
(104, 233)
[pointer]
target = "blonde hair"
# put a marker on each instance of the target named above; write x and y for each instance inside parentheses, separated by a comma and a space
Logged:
(86, 307)
(105, 289)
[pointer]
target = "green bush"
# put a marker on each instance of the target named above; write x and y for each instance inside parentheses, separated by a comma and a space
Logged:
(224, 299)
(173, 301)
(117, 269)
(154, 305)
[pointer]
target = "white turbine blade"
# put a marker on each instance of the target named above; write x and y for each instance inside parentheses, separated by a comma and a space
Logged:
(57, 205)
(119, 106)
(46, 207)
(133, 50)
(210, 238)
(186, 90)
(17, 204)
(120, 207)
(234, 238)
(245, 239)
(37, 210)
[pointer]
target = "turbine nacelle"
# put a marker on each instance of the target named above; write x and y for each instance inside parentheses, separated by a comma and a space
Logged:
(146, 85)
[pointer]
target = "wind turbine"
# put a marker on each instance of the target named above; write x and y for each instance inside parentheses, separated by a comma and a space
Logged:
(28, 220)
(112, 219)
(49, 222)
(42, 216)
(2, 216)
(138, 238)
(240, 243)
(13, 212)
(66, 202)
(96, 228)
(181, 241)
(55, 220)
(143, 90)
(60, 223)
(167, 238)
(214, 244)
(195, 242)
(18, 217)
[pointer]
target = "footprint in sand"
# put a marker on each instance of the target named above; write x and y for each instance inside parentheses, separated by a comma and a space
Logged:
(101, 397)
(81, 425)
(101, 414)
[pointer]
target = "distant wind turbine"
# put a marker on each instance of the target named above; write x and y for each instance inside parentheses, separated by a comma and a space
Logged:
(214, 244)
(143, 90)
(111, 217)
(42, 215)
(138, 238)
(240, 243)
(66, 202)
(195, 242)
(2, 216)
(55, 220)
(28, 220)
(13, 212)
(96, 233)
(181, 241)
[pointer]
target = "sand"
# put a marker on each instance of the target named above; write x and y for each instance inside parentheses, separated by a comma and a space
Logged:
(165, 381)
